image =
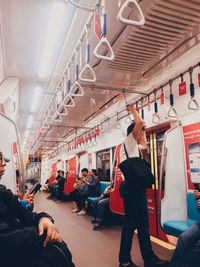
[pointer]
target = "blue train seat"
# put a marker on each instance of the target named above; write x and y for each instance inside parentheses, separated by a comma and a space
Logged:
(103, 186)
(177, 227)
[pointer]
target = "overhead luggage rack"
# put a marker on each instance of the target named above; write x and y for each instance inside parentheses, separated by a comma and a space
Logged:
(168, 24)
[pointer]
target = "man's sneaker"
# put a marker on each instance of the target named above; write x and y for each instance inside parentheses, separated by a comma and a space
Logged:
(50, 197)
(82, 212)
(75, 210)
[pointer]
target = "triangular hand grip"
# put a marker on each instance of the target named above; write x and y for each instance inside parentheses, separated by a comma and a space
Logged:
(193, 105)
(172, 113)
(68, 101)
(87, 67)
(131, 3)
(62, 110)
(104, 42)
(128, 120)
(45, 125)
(56, 117)
(156, 118)
(74, 88)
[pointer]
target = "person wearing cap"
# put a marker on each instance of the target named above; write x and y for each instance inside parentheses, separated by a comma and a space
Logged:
(24, 235)
(135, 203)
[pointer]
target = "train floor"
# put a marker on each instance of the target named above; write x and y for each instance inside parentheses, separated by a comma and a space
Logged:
(90, 248)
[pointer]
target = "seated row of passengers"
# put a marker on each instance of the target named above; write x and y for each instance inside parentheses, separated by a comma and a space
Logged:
(85, 186)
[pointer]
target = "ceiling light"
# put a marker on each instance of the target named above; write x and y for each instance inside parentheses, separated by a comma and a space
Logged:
(30, 121)
(36, 98)
(53, 29)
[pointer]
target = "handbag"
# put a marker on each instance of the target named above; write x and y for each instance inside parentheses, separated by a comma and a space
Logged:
(137, 172)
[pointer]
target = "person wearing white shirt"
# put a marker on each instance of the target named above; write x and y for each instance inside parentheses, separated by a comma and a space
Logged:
(135, 202)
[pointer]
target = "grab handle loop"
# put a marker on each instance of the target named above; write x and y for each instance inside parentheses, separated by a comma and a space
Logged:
(131, 3)
(45, 124)
(104, 42)
(156, 116)
(62, 110)
(56, 117)
(171, 112)
(192, 104)
(68, 101)
(87, 68)
(76, 86)
(117, 124)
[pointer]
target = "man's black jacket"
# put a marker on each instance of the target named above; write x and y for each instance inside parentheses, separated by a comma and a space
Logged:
(18, 226)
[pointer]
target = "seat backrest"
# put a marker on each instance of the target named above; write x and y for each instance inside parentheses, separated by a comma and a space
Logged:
(103, 186)
(193, 210)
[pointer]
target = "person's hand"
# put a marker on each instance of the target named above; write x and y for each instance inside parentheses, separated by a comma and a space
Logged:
(29, 197)
(196, 194)
(129, 107)
(52, 232)
(102, 196)
(198, 203)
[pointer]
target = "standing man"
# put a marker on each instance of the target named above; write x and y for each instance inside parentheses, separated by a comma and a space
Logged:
(135, 203)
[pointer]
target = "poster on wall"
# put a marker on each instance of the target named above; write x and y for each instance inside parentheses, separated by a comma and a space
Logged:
(192, 150)
(71, 178)
(194, 161)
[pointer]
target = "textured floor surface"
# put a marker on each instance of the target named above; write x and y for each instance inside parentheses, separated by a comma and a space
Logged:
(90, 248)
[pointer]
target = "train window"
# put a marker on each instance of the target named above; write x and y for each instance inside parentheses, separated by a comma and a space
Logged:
(33, 170)
(103, 164)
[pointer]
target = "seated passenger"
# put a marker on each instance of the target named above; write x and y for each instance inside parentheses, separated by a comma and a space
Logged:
(72, 195)
(187, 250)
(27, 238)
(101, 206)
(79, 185)
(57, 187)
(90, 188)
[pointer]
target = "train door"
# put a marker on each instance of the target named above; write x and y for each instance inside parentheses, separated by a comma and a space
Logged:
(154, 150)
(103, 163)
(153, 156)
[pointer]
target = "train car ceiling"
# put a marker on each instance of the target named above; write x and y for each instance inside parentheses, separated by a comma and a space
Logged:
(141, 58)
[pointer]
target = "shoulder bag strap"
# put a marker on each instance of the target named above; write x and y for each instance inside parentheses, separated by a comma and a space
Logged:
(126, 151)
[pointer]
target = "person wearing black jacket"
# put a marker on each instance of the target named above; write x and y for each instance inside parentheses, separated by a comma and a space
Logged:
(57, 187)
(27, 238)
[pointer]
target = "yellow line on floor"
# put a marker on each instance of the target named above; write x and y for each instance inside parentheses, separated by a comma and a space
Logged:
(161, 243)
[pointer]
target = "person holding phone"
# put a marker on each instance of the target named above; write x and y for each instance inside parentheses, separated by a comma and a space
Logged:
(28, 237)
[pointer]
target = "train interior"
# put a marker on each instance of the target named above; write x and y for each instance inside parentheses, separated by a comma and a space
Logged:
(68, 69)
